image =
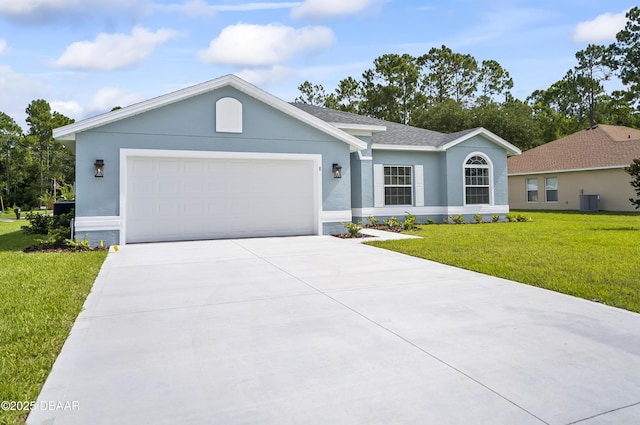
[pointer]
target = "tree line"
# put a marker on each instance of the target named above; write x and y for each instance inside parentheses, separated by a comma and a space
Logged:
(34, 168)
(447, 91)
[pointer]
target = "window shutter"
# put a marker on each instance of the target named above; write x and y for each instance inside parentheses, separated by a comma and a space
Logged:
(378, 185)
(419, 185)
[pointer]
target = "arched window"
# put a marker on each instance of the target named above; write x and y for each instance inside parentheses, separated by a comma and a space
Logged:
(477, 180)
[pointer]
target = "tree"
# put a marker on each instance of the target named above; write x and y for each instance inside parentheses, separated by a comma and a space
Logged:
(627, 54)
(10, 134)
(494, 80)
(634, 171)
(55, 162)
(593, 68)
(312, 94)
(390, 88)
(449, 75)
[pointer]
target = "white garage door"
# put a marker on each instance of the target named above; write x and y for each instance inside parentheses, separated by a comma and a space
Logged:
(170, 199)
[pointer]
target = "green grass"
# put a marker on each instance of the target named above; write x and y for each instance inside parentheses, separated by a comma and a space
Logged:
(41, 295)
(592, 256)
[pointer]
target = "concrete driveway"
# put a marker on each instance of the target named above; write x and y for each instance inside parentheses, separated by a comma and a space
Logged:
(318, 330)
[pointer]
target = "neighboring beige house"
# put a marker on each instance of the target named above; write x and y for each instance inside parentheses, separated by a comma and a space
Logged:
(560, 175)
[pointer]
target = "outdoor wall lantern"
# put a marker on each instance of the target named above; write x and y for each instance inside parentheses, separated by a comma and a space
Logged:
(99, 167)
(337, 171)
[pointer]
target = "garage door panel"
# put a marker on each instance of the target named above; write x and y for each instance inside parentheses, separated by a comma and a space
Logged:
(200, 198)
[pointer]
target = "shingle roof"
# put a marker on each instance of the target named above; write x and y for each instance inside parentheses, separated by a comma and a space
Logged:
(396, 134)
(601, 146)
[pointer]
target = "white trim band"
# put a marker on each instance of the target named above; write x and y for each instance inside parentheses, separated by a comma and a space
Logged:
(400, 211)
(97, 223)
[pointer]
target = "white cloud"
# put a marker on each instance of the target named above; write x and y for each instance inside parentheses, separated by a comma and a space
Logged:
(264, 45)
(203, 8)
(114, 51)
(329, 8)
(69, 108)
(38, 11)
(3, 46)
(266, 76)
(107, 98)
(18, 91)
(602, 28)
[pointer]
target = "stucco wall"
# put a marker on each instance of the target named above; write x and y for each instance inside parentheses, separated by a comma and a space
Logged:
(190, 125)
(612, 186)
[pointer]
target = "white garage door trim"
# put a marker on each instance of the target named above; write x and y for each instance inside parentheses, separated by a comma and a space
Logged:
(125, 154)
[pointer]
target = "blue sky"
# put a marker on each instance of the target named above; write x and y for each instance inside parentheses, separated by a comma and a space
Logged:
(86, 56)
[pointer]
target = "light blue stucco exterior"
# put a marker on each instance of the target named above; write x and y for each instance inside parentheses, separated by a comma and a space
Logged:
(268, 127)
(189, 125)
(443, 181)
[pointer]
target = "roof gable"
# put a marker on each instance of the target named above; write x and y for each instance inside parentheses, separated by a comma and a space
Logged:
(68, 132)
(602, 146)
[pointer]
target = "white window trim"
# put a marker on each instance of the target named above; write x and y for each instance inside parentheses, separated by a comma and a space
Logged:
(546, 191)
(526, 189)
(464, 180)
(411, 186)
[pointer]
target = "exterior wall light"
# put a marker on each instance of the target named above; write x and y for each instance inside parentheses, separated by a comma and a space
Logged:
(337, 171)
(99, 167)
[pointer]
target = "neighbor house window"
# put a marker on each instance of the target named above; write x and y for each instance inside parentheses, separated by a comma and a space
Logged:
(551, 188)
(398, 186)
(532, 190)
(477, 181)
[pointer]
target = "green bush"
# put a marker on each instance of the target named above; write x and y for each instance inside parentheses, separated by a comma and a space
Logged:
(353, 228)
(39, 224)
(372, 220)
(457, 219)
(409, 221)
(517, 218)
(429, 220)
(495, 218)
(478, 218)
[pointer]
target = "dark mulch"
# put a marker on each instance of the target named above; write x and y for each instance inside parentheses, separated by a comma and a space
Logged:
(35, 248)
(349, 236)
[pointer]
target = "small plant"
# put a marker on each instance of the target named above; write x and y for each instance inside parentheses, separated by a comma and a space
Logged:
(409, 221)
(517, 218)
(495, 218)
(429, 220)
(394, 222)
(353, 228)
(78, 245)
(372, 220)
(457, 219)
(478, 218)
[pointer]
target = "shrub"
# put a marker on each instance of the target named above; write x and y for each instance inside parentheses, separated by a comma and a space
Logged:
(513, 218)
(353, 228)
(457, 219)
(77, 245)
(495, 218)
(372, 220)
(478, 218)
(39, 224)
(429, 220)
(409, 221)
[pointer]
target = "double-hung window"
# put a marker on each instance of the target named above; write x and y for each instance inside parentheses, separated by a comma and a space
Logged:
(532, 190)
(398, 186)
(477, 181)
(551, 188)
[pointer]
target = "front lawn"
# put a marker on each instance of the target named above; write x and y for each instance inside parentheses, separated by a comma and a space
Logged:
(592, 256)
(41, 295)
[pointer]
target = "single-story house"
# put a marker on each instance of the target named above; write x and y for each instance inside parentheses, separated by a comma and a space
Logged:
(225, 159)
(583, 171)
